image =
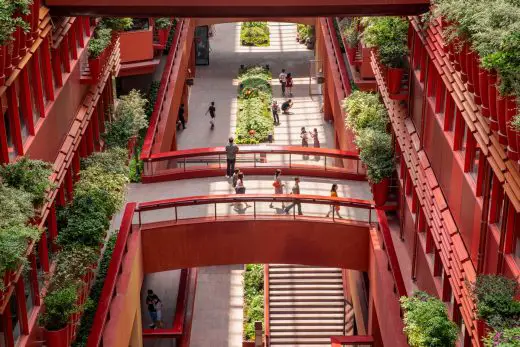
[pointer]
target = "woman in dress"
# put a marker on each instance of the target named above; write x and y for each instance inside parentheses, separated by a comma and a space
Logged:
(289, 84)
(278, 185)
(334, 194)
(240, 189)
(314, 136)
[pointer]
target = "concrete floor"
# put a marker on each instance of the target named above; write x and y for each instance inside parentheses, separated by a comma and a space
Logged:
(219, 300)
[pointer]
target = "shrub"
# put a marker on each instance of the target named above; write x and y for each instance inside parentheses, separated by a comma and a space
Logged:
(515, 123)
(8, 22)
(13, 246)
(507, 338)
(100, 41)
(253, 298)
(129, 119)
(162, 23)
(365, 110)
(72, 263)
(305, 32)
(495, 298)
(426, 322)
(16, 207)
(376, 152)
(112, 160)
(60, 305)
(170, 36)
(254, 34)
(31, 176)
(390, 35)
(117, 23)
(350, 31)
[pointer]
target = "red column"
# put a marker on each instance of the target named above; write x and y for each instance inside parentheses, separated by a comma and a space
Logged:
(37, 87)
(52, 223)
(43, 252)
(83, 147)
(94, 122)
(61, 196)
(76, 165)
(8, 326)
(89, 139)
(80, 32)
(33, 277)
(65, 54)
(47, 73)
(4, 147)
(69, 184)
(72, 40)
(56, 67)
(22, 307)
(14, 118)
(25, 101)
(101, 114)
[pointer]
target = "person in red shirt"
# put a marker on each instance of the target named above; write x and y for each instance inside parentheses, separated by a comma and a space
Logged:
(289, 84)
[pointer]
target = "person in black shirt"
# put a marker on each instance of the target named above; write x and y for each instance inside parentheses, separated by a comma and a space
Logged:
(151, 299)
(181, 116)
(211, 110)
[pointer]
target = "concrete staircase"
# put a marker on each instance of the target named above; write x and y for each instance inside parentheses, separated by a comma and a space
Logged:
(306, 305)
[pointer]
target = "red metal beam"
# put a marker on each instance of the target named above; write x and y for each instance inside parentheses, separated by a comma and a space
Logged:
(237, 8)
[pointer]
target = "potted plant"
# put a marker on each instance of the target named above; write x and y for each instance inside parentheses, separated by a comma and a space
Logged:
(376, 152)
(392, 55)
(8, 25)
(365, 110)
(60, 305)
(426, 322)
(352, 37)
(163, 25)
(96, 49)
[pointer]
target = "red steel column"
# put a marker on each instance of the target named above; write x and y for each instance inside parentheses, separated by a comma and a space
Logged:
(47, 73)
(16, 128)
(94, 123)
(37, 87)
(25, 101)
(22, 307)
(89, 139)
(69, 184)
(4, 147)
(52, 225)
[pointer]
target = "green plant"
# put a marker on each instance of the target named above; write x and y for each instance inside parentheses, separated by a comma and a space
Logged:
(152, 97)
(389, 35)
(29, 175)
(162, 23)
(338, 35)
(495, 298)
(9, 22)
(129, 119)
(72, 263)
(13, 246)
(112, 160)
(305, 32)
(254, 34)
(365, 110)
(100, 41)
(87, 318)
(515, 122)
(426, 322)
(253, 298)
(350, 31)
(509, 337)
(16, 207)
(170, 36)
(60, 305)
(117, 23)
(376, 152)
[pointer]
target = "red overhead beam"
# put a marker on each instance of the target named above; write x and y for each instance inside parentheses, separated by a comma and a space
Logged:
(238, 8)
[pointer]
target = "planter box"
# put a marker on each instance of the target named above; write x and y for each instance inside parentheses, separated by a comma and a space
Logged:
(95, 67)
(511, 111)
(380, 191)
(394, 78)
(57, 338)
(136, 45)
(351, 54)
(162, 34)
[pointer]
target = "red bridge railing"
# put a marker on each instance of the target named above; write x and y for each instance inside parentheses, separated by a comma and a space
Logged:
(259, 159)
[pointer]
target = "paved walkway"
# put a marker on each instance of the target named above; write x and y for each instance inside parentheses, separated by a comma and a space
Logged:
(217, 82)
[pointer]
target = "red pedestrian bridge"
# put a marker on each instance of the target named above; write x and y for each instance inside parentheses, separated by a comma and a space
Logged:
(237, 8)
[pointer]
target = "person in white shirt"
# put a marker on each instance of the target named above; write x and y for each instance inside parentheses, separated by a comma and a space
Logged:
(283, 81)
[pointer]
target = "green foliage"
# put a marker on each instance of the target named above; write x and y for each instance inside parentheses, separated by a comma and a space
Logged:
(8, 21)
(13, 245)
(254, 34)
(31, 176)
(253, 299)
(110, 161)
(389, 35)
(60, 305)
(426, 322)
(170, 37)
(163, 22)
(100, 41)
(350, 31)
(495, 298)
(509, 337)
(305, 32)
(135, 167)
(117, 23)
(338, 35)
(365, 110)
(87, 319)
(72, 263)
(152, 98)
(254, 100)
(16, 207)
(129, 119)
(376, 152)
(515, 122)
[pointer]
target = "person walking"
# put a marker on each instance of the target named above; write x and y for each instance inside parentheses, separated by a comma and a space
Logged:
(304, 135)
(150, 302)
(314, 136)
(278, 185)
(295, 191)
(181, 116)
(283, 80)
(235, 178)
(231, 156)
(240, 189)
(211, 110)
(289, 83)
(334, 194)
(276, 109)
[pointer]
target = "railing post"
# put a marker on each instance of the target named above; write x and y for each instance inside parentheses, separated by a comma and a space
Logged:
(219, 163)
(325, 159)
(290, 160)
(254, 209)
(184, 164)
(357, 166)
(215, 211)
(254, 159)
(176, 219)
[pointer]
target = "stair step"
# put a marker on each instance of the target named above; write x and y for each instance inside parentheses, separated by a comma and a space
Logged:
(309, 342)
(305, 292)
(337, 328)
(292, 270)
(306, 298)
(315, 281)
(305, 286)
(277, 309)
(287, 323)
(299, 304)
(307, 276)
(304, 316)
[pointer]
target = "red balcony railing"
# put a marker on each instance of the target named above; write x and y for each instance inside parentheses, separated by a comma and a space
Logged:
(354, 340)
(263, 159)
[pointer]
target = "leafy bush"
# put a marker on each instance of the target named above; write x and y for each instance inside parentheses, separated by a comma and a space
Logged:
(507, 338)
(110, 161)
(390, 35)
(60, 305)
(338, 35)
(31, 176)
(152, 97)
(365, 110)
(117, 23)
(376, 152)
(254, 102)
(129, 119)
(16, 207)
(13, 246)
(100, 41)
(72, 263)
(254, 34)
(426, 322)
(495, 298)
(515, 122)
(8, 21)
(305, 32)
(170, 37)
(162, 23)
(87, 318)
(253, 298)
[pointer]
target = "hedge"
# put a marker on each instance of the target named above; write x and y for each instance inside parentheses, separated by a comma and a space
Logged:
(254, 34)
(253, 299)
